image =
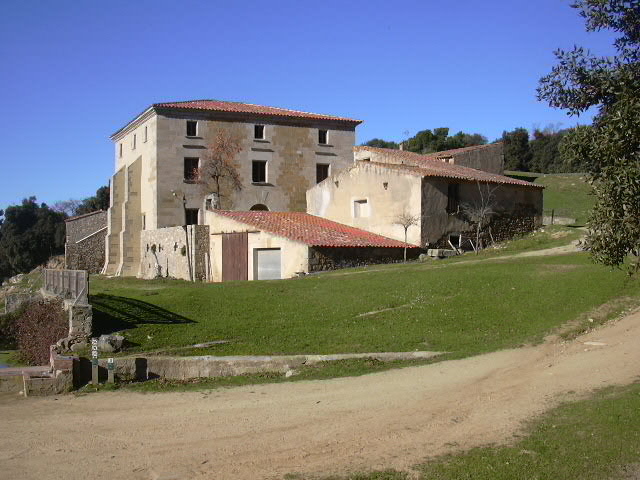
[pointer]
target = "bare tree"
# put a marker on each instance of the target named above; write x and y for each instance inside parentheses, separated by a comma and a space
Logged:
(68, 207)
(217, 173)
(480, 211)
(406, 220)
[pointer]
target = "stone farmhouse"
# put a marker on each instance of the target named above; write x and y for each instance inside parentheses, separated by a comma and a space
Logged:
(383, 184)
(284, 152)
(310, 200)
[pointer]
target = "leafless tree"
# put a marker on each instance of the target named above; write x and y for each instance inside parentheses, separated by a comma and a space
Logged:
(480, 211)
(68, 207)
(217, 172)
(406, 220)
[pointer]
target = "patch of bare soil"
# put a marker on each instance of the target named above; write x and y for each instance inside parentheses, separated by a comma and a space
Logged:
(392, 419)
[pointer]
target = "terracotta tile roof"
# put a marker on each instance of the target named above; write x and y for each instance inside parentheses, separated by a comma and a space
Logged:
(417, 157)
(312, 230)
(238, 107)
(436, 168)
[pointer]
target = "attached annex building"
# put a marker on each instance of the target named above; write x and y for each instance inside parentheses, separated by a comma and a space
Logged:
(383, 184)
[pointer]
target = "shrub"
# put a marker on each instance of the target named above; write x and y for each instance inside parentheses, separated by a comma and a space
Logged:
(40, 325)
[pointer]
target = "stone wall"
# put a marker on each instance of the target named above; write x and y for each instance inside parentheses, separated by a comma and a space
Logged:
(326, 258)
(175, 252)
(85, 242)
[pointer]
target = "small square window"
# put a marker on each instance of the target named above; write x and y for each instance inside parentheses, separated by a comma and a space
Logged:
(191, 216)
(259, 171)
(360, 208)
(322, 171)
(258, 132)
(192, 128)
(323, 137)
(191, 169)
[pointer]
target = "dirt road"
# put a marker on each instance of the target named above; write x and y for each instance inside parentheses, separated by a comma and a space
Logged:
(392, 419)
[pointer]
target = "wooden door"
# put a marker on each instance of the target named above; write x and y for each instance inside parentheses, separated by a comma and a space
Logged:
(235, 254)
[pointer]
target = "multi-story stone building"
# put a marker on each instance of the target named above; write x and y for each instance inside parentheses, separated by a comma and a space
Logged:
(283, 153)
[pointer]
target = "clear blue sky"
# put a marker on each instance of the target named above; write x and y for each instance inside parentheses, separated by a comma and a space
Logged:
(74, 72)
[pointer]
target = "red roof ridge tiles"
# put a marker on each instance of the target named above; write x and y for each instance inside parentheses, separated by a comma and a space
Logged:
(242, 107)
(435, 168)
(312, 230)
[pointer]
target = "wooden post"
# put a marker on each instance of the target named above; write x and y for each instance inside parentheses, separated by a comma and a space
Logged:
(552, 215)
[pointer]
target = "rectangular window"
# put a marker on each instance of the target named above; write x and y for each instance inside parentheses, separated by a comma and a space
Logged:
(258, 132)
(133, 142)
(259, 171)
(145, 135)
(322, 171)
(323, 137)
(453, 198)
(360, 208)
(144, 221)
(191, 216)
(192, 128)
(190, 169)
(120, 153)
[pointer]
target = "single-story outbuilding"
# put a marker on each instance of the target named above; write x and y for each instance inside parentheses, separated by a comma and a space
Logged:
(260, 245)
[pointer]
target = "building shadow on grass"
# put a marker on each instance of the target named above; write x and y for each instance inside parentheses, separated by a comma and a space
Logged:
(112, 313)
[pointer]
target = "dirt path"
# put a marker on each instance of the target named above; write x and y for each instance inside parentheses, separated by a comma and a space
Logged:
(392, 419)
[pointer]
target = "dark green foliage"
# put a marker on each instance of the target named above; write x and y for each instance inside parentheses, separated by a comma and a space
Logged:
(517, 154)
(610, 148)
(427, 141)
(546, 156)
(379, 143)
(100, 201)
(29, 235)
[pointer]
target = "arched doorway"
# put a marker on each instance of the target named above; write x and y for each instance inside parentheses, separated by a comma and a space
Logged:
(260, 207)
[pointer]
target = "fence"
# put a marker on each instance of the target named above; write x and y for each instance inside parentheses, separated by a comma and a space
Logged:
(68, 284)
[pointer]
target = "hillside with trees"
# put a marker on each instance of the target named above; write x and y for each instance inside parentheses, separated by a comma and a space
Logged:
(428, 141)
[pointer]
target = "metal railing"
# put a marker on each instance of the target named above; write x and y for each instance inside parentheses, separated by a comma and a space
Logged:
(68, 284)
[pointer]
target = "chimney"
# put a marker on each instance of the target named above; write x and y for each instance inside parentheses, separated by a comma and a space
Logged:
(401, 145)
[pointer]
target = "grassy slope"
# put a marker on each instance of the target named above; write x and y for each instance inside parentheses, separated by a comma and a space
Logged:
(462, 308)
(568, 194)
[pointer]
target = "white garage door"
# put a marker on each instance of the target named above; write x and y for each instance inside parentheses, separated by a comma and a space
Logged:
(266, 263)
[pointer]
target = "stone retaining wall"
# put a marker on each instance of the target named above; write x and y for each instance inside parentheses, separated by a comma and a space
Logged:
(325, 258)
(175, 252)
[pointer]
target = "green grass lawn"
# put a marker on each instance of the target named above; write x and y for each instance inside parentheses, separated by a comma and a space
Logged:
(591, 439)
(461, 308)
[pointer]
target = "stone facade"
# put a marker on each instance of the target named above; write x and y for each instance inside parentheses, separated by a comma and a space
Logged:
(85, 242)
(149, 190)
(324, 258)
(177, 252)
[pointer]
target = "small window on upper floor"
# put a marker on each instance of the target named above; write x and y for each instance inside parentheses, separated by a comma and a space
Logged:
(360, 208)
(323, 137)
(192, 128)
(191, 216)
(146, 137)
(258, 132)
(259, 171)
(322, 171)
(133, 142)
(120, 150)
